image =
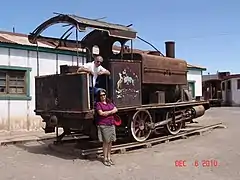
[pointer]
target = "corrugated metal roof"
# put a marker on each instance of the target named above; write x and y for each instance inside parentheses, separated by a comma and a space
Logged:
(209, 77)
(194, 66)
(232, 76)
(22, 39)
(4, 40)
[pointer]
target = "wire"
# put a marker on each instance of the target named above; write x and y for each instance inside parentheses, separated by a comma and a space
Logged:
(150, 45)
(210, 36)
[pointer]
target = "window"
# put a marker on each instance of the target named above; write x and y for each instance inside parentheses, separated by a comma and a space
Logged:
(238, 84)
(14, 83)
(229, 84)
(191, 88)
(223, 86)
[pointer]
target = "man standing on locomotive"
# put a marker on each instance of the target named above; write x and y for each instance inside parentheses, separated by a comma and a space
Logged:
(95, 69)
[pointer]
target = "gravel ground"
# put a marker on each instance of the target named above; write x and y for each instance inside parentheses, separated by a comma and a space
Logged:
(36, 161)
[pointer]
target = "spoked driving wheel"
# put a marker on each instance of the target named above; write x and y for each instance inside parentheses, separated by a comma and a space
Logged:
(139, 125)
(171, 127)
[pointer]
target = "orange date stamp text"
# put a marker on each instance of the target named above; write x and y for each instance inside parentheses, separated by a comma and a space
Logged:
(197, 163)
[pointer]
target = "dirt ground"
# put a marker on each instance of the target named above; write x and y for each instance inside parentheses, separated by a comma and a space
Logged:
(36, 161)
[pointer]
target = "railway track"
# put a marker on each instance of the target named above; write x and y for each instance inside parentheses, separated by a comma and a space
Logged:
(123, 147)
(149, 143)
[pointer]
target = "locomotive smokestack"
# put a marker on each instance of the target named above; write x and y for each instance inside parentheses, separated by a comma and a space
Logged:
(170, 49)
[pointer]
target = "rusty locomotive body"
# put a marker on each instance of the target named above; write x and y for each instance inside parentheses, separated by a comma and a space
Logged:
(147, 88)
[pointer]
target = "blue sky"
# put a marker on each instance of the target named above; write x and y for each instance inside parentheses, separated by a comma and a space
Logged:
(207, 33)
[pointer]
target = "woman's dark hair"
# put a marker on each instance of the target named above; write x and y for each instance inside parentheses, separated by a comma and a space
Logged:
(98, 95)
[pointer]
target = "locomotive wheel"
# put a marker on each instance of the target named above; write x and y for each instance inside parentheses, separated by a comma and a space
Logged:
(173, 128)
(139, 125)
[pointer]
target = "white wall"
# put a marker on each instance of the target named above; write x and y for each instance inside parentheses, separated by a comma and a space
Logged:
(19, 115)
(235, 93)
(224, 92)
(196, 76)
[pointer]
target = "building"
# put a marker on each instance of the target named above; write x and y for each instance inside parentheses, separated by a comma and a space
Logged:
(19, 59)
(222, 88)
(212, 90)
(231, 90)
(18, 68)
(194, 77)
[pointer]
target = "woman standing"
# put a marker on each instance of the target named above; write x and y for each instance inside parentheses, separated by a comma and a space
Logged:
(106, 127)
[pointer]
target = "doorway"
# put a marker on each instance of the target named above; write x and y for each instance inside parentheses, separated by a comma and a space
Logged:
(191, 88)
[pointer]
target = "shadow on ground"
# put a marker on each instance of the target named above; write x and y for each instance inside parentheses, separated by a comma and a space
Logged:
(63, 151)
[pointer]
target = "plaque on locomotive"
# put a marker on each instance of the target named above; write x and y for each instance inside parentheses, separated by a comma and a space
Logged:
(126, 83)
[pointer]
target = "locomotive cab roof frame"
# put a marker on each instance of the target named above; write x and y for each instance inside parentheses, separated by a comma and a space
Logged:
(81, 23)
(104, 35)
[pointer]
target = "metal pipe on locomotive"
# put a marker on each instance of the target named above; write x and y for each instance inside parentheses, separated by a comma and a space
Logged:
(148, 89)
